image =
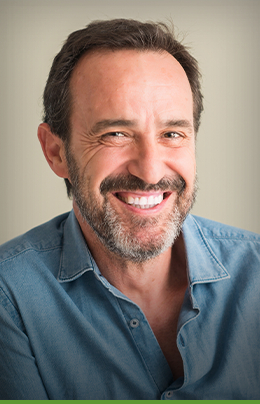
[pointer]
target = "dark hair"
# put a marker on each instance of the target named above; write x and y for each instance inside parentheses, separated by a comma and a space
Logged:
(113, 34)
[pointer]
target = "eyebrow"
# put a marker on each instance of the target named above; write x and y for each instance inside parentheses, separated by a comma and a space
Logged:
(182, 123)
(108, 123)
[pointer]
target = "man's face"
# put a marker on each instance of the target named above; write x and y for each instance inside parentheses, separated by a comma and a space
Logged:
(131, 155)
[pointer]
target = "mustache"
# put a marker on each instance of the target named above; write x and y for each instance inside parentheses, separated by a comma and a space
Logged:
(131, 183)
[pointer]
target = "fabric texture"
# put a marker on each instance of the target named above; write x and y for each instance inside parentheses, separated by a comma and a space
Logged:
(66, 333)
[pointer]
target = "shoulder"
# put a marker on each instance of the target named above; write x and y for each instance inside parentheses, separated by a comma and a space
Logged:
(215, 230)
(238, 250)
(28, 268)
(42, 238)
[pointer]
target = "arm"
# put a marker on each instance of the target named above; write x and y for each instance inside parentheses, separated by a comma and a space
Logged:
(19, 375)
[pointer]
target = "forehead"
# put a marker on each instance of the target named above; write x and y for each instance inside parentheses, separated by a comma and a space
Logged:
(131, 77)
(119, 63)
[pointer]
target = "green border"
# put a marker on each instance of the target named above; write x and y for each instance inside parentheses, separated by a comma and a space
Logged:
(133, 401)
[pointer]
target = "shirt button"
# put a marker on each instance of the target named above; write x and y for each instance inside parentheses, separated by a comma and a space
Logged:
(134, 323)
(169, 394)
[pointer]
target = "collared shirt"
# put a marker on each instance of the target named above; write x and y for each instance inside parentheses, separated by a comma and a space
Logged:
(66, 333)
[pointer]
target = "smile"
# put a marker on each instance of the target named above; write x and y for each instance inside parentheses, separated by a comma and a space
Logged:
(141, 201)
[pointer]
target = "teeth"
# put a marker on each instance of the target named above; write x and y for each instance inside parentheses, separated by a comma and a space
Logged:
(143, 202)
(150, 200)
(131, 200)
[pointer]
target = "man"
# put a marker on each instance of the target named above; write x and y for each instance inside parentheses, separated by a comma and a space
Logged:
(128, 296)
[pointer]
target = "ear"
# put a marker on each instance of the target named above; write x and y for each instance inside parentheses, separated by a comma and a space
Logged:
(53, 149)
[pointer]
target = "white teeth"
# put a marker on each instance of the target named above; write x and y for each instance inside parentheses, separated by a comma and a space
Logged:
(143, 202)
(131, 200)
(150, 200)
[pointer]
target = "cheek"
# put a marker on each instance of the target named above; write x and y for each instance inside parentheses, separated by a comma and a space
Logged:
(104, 162)
(184, 163)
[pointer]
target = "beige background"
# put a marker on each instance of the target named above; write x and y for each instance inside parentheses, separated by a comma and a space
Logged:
(223, 35)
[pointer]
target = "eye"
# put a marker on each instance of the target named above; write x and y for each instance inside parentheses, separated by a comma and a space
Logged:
(114, 138)
(172, 135)
(114, 134)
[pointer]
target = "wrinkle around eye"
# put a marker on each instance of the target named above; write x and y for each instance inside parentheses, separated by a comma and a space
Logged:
(87, 144)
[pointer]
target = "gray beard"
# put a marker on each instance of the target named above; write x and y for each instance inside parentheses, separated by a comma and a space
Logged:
(122, 238)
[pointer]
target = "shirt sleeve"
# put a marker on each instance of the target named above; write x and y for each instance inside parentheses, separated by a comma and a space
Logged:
(19, 375)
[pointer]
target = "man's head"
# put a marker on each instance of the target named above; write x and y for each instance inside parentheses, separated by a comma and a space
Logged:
(118, 34)
(127, 142)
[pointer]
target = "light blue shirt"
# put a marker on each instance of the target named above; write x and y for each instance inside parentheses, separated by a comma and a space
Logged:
(66, 333)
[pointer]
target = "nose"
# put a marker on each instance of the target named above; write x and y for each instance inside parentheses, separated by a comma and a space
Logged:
(148, 161)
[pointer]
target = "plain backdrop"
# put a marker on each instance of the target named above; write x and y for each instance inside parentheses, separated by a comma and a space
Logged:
(223, 35)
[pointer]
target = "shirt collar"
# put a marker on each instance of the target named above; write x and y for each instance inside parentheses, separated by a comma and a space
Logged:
(76, 259)
(204, 266)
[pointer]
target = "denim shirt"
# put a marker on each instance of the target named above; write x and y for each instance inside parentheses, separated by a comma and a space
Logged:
(66, 333)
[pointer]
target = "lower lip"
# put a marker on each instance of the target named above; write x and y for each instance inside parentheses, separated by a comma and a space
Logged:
(150, 211)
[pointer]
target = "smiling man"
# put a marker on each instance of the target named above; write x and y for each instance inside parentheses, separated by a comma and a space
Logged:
(133, 136)
(127, 296)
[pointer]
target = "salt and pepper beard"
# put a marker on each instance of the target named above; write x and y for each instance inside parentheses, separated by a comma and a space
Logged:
(108, 225)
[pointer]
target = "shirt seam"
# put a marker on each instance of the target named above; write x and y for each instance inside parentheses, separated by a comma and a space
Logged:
(231, 238)
(7, 297)
(12, 310)
(26, 250)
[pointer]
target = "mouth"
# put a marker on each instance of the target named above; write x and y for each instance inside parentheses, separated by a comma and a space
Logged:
(142, 200)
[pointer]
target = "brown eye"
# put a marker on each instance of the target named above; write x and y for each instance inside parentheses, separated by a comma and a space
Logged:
(172, 135)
